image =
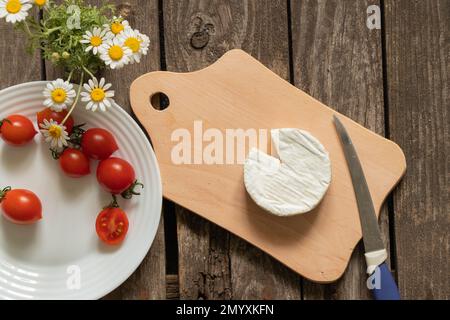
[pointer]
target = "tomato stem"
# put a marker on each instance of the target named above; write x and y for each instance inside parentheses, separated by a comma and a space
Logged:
(3, 193)
(77, 135)
(113, 203)
(74, 141)
(3, 121)
(131, 191)
(56, 154)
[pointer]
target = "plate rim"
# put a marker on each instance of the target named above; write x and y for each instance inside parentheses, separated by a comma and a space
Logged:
(132, 269)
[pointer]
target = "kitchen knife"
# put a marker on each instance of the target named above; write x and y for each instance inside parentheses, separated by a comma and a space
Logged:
(380, 281)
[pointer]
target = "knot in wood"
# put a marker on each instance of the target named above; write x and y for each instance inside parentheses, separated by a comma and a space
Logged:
(200, 39)
(124, 10)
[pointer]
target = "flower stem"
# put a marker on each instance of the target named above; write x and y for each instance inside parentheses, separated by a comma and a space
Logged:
(50, 31)
(27, 29)
(75, 102)
(70, 75)
(88, 72)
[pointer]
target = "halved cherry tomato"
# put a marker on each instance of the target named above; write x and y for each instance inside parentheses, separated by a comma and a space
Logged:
(74, 163)
(115, 175)
(20, 206)
(17, 130)
(112, 225)
(98, 144)
(48, 114)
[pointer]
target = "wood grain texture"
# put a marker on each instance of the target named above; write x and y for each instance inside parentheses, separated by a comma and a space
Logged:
(240, 94)
(172, 287)
(338, 60)
(213, 263)
(418, 65)
(148, 282)
(204, 260)
(16, 66)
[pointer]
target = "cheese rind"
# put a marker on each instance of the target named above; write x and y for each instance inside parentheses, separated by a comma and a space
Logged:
(295, 180)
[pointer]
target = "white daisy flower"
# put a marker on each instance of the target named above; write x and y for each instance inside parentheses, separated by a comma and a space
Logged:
(54, 133)
(115, 54)
(97, 95)
(95, 39)
(41, 3)
(14, 10)
(59, 94)
(117, 26)
(137, 42)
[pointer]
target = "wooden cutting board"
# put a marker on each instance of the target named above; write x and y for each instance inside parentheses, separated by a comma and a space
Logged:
(239, 92)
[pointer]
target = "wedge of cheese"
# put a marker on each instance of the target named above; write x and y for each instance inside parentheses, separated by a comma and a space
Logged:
(295, 179)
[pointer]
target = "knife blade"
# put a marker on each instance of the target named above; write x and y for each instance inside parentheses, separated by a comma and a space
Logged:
(369, 222)
(375, 250)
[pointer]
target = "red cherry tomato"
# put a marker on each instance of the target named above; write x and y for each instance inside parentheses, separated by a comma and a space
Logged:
(20, 206)
(98, 144)
(115, 175)
(74, 163)
(112, 226)
(48, 114)
(17, 130)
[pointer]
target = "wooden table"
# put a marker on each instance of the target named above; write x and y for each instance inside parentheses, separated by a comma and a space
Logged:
(394, 81)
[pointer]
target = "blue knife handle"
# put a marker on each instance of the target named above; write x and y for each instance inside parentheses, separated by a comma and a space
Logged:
(388, 289)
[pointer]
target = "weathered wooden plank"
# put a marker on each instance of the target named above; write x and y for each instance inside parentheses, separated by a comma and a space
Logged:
(16, 66)
(172, 289)
(148, 282)
(213, 263)
(204, 261)
(418, 68)
(338, 60)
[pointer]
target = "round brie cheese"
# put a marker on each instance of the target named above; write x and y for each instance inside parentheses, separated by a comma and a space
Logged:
(293, 181)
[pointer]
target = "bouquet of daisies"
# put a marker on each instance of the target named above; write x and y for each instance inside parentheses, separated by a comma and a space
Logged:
(83, 40)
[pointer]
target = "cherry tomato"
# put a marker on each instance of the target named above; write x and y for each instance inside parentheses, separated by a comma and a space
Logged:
(115, 175)
(112, 225)
(98, 144)
(74, 163)
(20, 206)
(48, 114)
(17, 130)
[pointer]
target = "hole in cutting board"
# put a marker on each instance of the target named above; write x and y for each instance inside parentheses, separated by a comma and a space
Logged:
(159, 101)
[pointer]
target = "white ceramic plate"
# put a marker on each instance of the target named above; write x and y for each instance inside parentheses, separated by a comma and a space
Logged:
(61, 257)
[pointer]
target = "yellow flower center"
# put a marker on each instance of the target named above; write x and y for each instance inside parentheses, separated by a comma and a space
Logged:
(98, 94)
(40, 3)
(96, 41)
(55, 132)
(133, 43)
(59, 95)
(117, 27)
(13, 6)
(115, 52)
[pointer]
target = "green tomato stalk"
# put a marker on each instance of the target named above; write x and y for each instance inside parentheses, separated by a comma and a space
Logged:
(131, 191)
(3, 193)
